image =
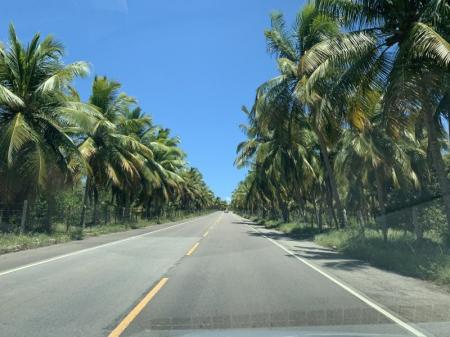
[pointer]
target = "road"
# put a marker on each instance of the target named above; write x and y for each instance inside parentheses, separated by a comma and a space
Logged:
(208, 275)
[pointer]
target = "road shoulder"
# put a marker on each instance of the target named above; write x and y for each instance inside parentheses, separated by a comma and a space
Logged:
(18, 259)
(413, 300)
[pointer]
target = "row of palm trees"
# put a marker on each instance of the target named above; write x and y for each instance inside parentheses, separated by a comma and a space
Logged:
(51, 140)
(354, 124)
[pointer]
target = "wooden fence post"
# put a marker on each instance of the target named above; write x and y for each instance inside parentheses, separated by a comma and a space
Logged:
(24, 216)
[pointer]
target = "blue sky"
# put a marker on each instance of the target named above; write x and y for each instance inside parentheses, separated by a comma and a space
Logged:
(191, 64)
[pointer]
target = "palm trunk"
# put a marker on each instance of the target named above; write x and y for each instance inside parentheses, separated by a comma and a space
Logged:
(94, 215)
(85, 203)
(147, 210)
(48, 219)
(330, 209)
(381, 191)
(418, 229)
(437, 161)
(320, 218)
(332, 179)
(448, 129)
(362, 224)
(284, 207)
(316, 213)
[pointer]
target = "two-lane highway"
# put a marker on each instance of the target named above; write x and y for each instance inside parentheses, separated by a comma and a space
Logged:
(85, 292)
(212, 273)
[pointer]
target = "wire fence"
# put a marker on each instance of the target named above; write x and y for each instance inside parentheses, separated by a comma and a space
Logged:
(43, 217)
(415, 217)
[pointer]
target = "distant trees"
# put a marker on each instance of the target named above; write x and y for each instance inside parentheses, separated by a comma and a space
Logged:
(358, 112)
(51, 141)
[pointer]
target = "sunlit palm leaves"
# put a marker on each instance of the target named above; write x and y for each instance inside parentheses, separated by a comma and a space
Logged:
(34, 114)
(367, 90)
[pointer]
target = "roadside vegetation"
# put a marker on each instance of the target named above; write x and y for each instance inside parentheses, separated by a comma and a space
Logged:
(71, 167)
(13, 242)
(428, 259)
(349, 143)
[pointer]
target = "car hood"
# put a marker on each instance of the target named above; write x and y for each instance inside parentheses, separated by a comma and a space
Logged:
(255, 333)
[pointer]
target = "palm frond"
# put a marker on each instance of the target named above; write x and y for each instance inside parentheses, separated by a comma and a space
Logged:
(15, 135)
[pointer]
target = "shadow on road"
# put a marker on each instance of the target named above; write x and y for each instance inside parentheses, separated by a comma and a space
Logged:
(244, 223)
(335, 260)
(306, 249)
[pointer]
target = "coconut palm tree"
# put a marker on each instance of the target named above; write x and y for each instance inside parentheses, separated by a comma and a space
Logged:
(195, 194)
(399, 47)
(278, 147)
(289, 47)
(114, 153)
(36, 152)
(370, 157)
(167, 164)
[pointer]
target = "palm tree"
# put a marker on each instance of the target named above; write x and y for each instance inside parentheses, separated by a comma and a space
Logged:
(167, 164)
(36, 153)
(117, 159)
(311, 27)
(370, 157)
(278, 147)
(399, 47)
(195, 194)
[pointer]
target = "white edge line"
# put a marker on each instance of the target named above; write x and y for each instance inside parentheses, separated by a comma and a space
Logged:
(363, 298)
(59, 257)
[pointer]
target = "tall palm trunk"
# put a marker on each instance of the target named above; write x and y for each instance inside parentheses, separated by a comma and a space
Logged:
(85, 203)
(331, 179)
(48, 218)
(381, 192)
(362, 224)
(316, 214)
(329, 202)
(283, 206)
(95, 210)
(147, 209)
(437, 160)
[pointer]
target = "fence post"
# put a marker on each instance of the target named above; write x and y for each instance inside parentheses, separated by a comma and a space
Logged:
(24, 216)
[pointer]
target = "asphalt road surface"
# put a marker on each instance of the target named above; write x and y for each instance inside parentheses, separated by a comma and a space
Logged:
(210, 276)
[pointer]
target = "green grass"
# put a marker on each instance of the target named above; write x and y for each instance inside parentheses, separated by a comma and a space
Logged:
(12, 242)
(427, 260)
(295, 229)
(15, 242)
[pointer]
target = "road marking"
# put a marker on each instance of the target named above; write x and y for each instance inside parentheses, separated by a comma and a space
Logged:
(217, 221)
(137, 309)
(206, 234)
(361, 297)
(191, 251)
(59, 257)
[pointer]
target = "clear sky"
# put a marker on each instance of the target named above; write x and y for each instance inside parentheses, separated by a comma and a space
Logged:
(191, 64)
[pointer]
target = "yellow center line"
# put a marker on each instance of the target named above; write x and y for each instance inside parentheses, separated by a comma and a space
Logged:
(189, 253)
(137, 309)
